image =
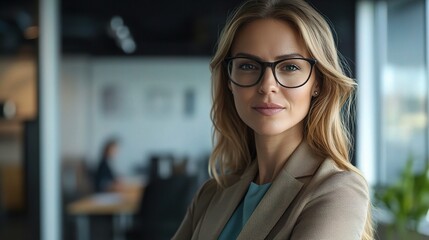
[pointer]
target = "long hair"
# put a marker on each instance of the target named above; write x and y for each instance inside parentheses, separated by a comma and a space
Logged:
(325, 125)
(108, 144)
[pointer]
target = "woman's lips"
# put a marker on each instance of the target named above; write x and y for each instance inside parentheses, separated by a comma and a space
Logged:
(268, 109)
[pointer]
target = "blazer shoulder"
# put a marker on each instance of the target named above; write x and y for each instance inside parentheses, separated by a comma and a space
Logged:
(207, 190)
(333, 179)
(336, 200)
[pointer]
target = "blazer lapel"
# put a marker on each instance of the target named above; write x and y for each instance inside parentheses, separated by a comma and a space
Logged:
(223, 205)
(281, 193)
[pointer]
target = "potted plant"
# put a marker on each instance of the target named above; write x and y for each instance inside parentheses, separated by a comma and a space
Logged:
(407, 200)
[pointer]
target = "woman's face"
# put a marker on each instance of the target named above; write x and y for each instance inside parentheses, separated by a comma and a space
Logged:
(268, 108)
(112, 150)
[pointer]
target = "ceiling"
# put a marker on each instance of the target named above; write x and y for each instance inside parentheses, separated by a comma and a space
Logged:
(162, 27)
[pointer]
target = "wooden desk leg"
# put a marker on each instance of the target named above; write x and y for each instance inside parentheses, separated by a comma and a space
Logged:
(82, 227)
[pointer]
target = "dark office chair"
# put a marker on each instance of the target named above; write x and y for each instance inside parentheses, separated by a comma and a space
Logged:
(163, 207)
(156, 162)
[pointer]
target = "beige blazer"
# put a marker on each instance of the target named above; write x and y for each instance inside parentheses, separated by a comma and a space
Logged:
(311, 199)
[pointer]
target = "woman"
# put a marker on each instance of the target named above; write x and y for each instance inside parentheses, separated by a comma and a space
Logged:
(105, 179)
(281, 157)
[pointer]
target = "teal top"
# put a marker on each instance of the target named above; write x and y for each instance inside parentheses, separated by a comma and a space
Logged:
(243, 212)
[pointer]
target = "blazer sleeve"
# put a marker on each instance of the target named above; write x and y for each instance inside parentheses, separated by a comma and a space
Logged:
(337, 209)
(196, 211)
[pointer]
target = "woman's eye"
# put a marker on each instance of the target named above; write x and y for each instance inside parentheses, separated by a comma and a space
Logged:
(290, 68)
(247, 66)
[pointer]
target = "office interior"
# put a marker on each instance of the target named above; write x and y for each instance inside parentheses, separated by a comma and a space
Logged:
(138, 73)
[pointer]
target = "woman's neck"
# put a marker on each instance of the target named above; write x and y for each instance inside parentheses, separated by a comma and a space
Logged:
(272, 154)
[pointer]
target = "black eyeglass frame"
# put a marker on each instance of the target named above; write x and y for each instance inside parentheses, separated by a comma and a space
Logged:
(272, 65)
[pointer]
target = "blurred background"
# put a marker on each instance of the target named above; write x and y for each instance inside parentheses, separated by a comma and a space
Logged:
(105, 130)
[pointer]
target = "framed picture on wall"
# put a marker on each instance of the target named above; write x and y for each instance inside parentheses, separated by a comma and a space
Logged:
(113, 102)
(189, 103)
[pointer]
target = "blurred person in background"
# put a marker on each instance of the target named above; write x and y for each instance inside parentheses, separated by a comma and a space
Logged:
(105, 179)
(280, 164)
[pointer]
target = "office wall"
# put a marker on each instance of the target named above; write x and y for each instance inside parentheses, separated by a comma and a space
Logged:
(153, 105)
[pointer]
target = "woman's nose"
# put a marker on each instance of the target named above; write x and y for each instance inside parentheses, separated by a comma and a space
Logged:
(268, 82)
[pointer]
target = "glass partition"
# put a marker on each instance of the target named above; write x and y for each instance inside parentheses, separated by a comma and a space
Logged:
(403, 90)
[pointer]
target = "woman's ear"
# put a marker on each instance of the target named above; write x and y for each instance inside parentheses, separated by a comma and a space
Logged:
(317, 86)
(315, 91)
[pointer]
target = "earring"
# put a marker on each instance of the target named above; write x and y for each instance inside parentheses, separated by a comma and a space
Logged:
(316, 93)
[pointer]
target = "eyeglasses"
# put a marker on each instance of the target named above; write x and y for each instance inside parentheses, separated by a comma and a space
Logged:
(289, 72)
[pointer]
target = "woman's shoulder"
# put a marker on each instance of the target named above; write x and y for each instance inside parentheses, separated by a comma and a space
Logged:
(208, 186)
(331, 168)
(334, 194)
(332, 179)
(206, 191)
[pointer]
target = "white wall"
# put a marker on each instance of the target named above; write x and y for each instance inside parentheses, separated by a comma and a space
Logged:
(148, 111)
(74, 106)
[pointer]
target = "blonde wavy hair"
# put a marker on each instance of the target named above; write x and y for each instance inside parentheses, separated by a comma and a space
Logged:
(325, 129)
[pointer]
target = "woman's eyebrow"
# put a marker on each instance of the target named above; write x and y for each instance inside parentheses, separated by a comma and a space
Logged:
(289, 55)
(240, 54)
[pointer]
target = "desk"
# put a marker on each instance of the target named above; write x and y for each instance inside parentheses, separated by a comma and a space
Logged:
(120, 205)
